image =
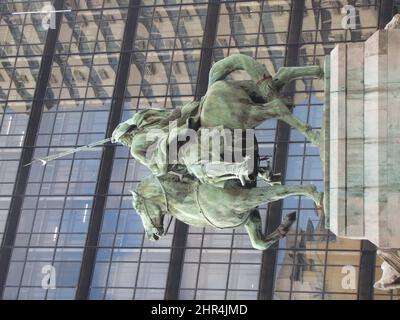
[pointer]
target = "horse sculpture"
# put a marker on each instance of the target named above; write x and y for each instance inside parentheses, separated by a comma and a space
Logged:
(196, 198)
(227, 104)
(205, 205)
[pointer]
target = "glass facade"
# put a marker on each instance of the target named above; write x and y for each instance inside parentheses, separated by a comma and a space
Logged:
(60, 201)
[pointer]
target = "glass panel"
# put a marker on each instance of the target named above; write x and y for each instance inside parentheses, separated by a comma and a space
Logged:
(163, 72)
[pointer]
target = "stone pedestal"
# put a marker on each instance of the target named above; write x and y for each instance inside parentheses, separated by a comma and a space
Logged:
(363, 141)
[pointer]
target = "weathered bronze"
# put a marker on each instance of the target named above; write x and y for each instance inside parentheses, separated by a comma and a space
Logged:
(204, 193)
(217, 193)
(227, 104)
(205, 205)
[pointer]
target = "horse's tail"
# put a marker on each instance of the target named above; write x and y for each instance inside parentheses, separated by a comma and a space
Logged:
(221, 69)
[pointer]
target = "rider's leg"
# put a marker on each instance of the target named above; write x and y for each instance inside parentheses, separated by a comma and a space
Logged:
(254, 230)
(276, 109)
(287, 74)
(217, 172)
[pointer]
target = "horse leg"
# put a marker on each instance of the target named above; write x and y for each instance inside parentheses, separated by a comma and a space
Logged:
(268, 176)
(252, 89)
(258, 72)
(221, 69)
(250, 198)
(254, 230)
(287, 74)
(303, 128)
(276, 109)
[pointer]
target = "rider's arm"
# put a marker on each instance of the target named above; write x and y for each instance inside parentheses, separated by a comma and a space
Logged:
(121, 129)
(151, 153)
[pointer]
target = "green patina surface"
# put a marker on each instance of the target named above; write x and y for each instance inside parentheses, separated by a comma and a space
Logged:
(215, 198)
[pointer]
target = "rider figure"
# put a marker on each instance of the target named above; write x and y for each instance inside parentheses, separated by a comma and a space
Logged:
(148, 136)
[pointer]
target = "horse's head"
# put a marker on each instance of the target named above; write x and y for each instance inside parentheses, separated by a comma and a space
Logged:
(149, 206)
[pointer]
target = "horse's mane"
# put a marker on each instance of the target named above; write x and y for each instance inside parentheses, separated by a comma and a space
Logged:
(150, 188)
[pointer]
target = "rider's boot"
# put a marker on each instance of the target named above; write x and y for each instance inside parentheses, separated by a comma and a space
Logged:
(237, 170)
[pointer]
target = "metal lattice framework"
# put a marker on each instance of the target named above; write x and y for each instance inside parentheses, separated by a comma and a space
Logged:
(104, 60)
